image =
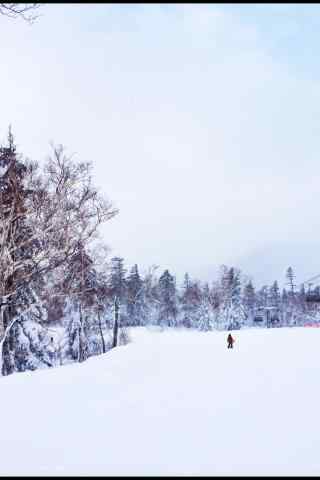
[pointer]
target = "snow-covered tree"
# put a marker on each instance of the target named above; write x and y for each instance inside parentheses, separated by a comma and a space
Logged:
(190, 303)
(81, 284)
(136, 298)
(231, 310)
(249, 302)
(151, 295)
(43, 216)
(275, 297)
(27, 11)
(205, 311)
(168, 300)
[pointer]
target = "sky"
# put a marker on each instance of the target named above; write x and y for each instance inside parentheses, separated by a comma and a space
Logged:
(201, 121)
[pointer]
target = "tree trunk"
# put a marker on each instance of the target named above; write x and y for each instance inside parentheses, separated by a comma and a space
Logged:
(7, 366)
(101, 333)
(81, 355)
(116, 323)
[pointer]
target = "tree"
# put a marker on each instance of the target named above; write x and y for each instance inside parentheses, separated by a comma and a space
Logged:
(231, 311)
(81, 285)
(102, 302)
(284, 306)
(118, 291)
(275, 296)
(136, 302)
(168, 301)
(302, 299)
(189, 302)
(151, 295)
(116, 322)
(117, 278)
(43, 217)
(15, 259)
(205, 312)
(27, 11)
(249, 301)
(32, 346)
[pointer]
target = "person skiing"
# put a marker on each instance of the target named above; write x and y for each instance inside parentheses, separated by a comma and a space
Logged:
(230, 340)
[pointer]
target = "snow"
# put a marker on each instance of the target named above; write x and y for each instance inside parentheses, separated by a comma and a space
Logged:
(3, 170)
(171, 402)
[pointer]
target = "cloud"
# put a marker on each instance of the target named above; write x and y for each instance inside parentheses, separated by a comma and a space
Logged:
(204, 138)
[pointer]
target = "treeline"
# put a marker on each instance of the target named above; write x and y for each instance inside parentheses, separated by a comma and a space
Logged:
(63, 299)
(154, 298)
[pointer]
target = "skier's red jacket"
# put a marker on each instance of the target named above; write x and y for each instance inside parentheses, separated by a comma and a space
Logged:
(230, 338)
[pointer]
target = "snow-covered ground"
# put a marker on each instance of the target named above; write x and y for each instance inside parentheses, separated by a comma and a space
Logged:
(171, 402)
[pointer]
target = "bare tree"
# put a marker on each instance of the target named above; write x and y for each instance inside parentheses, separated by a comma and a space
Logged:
(27, 11)
(43, 217)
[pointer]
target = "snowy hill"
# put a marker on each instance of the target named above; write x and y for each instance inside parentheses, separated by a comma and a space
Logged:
(171, 402)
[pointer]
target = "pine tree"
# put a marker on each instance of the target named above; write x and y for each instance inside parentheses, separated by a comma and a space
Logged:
(136, 308)
(205, 312)
(16, 258)
(81, 284)
(231, 310)
(190, 303)
(118, 285)
(117, 279)
(168, 301)
(274, 301)
(284, 307)
(151, 296)
(249, 301)
(275, 297)
(302, 299)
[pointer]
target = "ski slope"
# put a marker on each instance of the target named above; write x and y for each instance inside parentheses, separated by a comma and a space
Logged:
(174, 402)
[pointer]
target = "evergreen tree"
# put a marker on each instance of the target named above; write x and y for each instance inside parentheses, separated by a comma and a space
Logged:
(19, 246)
(151, 296)
(168, 301)
(81, 284)
(190, 303)
(117, 278)
(205, 311)
(284, 307)
(302, 304)
(249, 301)
(136, 307)
(275, 296)
(118, 286)
(231, 311)
(263, 297)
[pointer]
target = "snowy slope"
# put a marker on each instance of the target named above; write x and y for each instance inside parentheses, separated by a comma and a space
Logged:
(172, 402)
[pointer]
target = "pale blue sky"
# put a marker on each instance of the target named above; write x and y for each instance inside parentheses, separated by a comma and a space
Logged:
(202, 122)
